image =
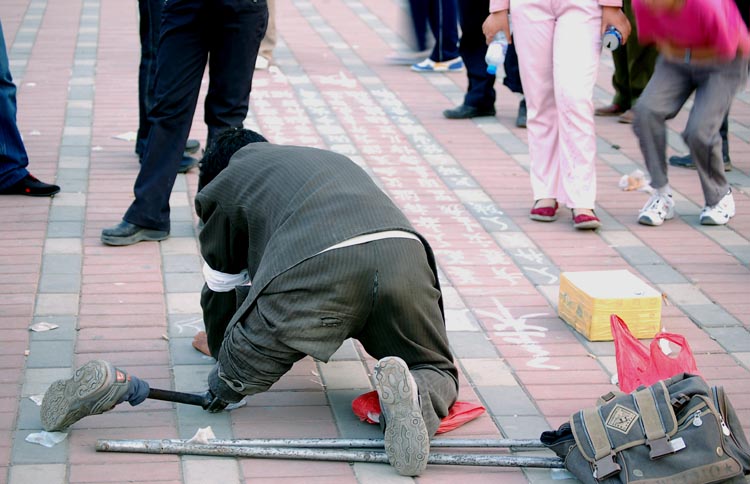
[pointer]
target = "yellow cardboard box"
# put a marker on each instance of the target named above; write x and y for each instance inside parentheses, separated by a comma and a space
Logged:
(587, 299)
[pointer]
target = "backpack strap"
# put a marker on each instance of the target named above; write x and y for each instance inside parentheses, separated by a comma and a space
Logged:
(656, 436)
(604, 457)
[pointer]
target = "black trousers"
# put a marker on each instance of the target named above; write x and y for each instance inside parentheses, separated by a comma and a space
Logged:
(382, 293)
(226, 35)
(150, 19)
(473, 48)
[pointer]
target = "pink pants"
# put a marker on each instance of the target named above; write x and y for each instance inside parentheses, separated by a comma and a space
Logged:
(559, 45)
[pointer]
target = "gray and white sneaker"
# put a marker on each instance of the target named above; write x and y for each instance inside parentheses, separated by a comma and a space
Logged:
(94, 388)
(660, 207)
(720, 213)
(407, 443)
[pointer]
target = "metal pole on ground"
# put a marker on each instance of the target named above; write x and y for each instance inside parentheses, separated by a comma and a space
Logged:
(342, 455)
(372, 443)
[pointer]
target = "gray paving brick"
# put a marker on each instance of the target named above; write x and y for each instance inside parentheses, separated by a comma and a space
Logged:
(39, 379)
(347, 351)
(349, 425)
(340, 375)
(184, 214)
(741, 252)
(470, 344)
(183, 353)
(27, 453)
(185, 325)
(510, 143)
(182, 229)
(56, 304)
(660, 274)
(182, 263)
(183, 281)
(216, 470)
(709, 315)
(59, 283)
(190, 418)
(682, 294)
(507, 401)
(81, 92)
(66, 329)
(378, 474)
(50, 354)
(640, 255)
(37, 473)
(191, 378)
(65, 229)
(733, 339)
(521, 426)
(28, 416)
(66, 214)
(84, 151)
(62, 264)
(71, 174)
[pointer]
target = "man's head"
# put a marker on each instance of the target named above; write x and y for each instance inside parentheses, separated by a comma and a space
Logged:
(217, 156)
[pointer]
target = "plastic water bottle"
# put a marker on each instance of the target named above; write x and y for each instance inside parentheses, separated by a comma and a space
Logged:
(496, 52)
(612, 38)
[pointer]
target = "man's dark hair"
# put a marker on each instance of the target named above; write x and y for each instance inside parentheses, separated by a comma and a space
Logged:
(217, 156)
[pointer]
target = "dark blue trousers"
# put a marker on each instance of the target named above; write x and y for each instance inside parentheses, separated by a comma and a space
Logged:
(13, 157)
(473, 47)
(226, 35)
(150, 22)
(441, 15)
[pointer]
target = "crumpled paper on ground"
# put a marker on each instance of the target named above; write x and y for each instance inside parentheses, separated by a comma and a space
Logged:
(43, 326)
(47, 439)
(202, 436)
(635, 181)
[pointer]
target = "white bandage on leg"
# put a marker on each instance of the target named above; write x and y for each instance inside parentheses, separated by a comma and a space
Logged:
(223, 282)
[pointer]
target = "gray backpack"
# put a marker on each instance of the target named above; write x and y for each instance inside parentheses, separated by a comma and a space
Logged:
(676, 431)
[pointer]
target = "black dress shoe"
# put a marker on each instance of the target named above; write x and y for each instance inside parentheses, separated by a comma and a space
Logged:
(521, 116)
(465, 112)
(126, 233)
(187, 163)
(31, 187)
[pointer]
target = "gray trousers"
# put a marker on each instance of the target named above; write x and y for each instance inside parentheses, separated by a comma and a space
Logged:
(382, 293)
(670, 86)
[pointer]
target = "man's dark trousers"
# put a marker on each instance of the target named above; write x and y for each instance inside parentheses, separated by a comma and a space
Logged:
(634, 65)
(473, 48)
(13, 157)
(227, 35)
(150, 21)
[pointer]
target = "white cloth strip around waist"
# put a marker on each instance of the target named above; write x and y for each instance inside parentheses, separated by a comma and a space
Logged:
(222, 282)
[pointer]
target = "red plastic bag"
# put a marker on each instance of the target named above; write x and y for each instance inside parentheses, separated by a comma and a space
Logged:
(367, 408)
(638, 365)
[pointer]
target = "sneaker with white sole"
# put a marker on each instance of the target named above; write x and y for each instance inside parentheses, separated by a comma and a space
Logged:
(407, 443)
(429, 65)
(660, 207)
(94, 388)
(720, 213)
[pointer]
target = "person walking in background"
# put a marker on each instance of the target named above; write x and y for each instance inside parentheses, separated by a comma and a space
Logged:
(634, 64)
(441, 15)
(686, 161)
(480, 93)
(559, 50)
(268, 44)
(15, 178)
(226, 35)
(149, 12)
(704, 46)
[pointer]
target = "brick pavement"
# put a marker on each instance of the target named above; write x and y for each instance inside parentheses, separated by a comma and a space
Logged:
(463, 184)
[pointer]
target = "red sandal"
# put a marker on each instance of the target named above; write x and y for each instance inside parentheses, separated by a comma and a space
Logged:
(584, 221)
(543, 214)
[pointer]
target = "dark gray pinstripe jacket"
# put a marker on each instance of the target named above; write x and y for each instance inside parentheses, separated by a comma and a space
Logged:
(276, 206)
